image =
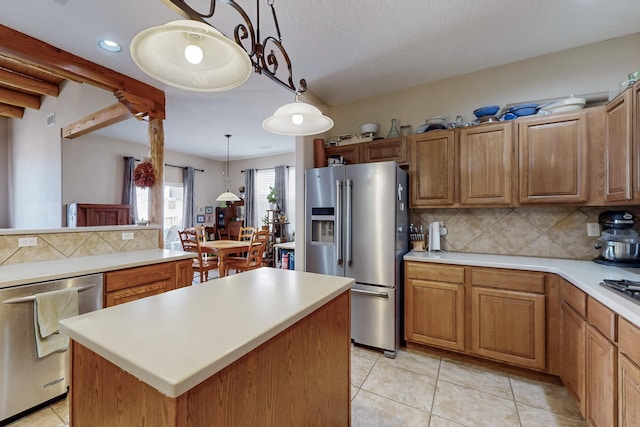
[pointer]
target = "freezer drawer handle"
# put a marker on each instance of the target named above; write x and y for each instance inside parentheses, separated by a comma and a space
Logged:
(371, 293)
(33, 297)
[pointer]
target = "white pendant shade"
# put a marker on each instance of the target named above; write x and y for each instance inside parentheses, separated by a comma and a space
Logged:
(160, 52)
(227, 197)
(297, 118)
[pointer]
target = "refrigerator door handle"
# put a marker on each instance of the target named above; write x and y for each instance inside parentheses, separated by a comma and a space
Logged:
(370, 293)
(348, 238)
(338, 228)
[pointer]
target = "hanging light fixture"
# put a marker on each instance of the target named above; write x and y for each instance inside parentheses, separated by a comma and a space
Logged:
(297, 118)
(192, 55)
(227, 196)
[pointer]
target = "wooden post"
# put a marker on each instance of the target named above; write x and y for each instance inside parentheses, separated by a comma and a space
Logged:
(156, 193)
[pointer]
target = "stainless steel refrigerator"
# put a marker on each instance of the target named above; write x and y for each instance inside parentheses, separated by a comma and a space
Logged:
(356, 226)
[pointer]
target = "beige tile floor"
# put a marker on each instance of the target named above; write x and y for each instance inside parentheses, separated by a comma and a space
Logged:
(416, 389)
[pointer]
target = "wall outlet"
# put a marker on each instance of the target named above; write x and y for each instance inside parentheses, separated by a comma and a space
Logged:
(27, 241)
(593, 229)
(127, 236)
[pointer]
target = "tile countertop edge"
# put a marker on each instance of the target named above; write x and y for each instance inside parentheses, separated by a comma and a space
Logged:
(93, 229)
(173, 378)
(586, 275)
(42, 271)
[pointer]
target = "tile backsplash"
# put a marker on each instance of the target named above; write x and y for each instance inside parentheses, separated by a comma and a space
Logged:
(73, 244)
(551, 232)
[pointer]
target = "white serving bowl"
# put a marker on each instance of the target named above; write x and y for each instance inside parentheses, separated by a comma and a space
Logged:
(369, 128)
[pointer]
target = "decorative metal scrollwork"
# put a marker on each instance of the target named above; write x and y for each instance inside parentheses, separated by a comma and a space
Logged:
(264, 61)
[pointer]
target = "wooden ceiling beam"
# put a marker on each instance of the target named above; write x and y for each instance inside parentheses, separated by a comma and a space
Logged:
(115, 113)
(19, 99)
(14, 44)
(11, 111)
(28, 84)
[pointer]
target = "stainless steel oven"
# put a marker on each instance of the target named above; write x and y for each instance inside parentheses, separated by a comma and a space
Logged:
(27, 381)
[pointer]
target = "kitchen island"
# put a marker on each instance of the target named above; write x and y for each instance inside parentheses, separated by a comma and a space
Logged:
(265, 347)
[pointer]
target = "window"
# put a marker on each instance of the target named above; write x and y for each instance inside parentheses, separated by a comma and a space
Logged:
(173, 199)
(265, 178)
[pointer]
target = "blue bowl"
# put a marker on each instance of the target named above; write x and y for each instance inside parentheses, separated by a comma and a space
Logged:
(524, 109)
(490, 110)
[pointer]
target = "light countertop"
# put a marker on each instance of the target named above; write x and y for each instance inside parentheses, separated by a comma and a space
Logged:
(586, 275)
(34, 272)
(175, 340)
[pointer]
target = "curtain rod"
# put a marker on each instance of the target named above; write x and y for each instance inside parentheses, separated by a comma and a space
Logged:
(175, 166)
(264, 169)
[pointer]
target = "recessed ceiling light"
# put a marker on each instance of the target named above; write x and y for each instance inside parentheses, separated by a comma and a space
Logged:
(109, 45)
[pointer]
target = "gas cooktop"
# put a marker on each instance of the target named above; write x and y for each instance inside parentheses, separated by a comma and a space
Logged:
(626, 288)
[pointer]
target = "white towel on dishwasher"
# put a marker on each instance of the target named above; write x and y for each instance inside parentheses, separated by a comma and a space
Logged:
(49, 308)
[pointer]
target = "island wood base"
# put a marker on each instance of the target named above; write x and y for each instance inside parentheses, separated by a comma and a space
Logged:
(300, 377)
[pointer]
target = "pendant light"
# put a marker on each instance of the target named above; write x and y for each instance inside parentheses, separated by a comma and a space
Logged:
(191, 55)
(227, 196)
(297, 119)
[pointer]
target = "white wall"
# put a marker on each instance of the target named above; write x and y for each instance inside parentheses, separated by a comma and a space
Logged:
(237, 166)
(35, 183)
(4, 172)
(93, 167)
(598, 67)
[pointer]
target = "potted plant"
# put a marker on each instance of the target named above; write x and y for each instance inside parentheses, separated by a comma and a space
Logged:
(265, 222)
(272, 197)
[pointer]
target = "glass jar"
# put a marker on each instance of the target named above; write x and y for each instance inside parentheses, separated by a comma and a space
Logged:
(393, 132)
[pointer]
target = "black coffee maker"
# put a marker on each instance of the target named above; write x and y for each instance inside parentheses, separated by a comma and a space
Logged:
(619, 242)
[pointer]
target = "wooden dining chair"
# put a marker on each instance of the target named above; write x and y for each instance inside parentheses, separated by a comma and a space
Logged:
(246, 233)
(191, 239)
(253, 257)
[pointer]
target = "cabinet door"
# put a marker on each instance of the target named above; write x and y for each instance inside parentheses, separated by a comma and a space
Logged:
(509, 326)
(184, 273)
(386, 150)
(572, 341)
(636, 139)
(601, 387)
(553, 159)
(486, 159)
(628, 393)
(618, 152)
(434, 313)
(431, 170)
(351, 153)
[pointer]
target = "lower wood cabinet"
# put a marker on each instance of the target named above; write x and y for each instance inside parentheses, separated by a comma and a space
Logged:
(600, 373)
(509, 326)
(628, 393)
(434, 305)
(572, 344)
(138, 282)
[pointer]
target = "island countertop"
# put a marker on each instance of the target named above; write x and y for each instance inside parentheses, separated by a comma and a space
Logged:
(175, 340)
(585, 275)
(42, 271)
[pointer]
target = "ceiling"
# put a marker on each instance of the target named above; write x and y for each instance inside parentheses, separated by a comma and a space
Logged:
(360, 49)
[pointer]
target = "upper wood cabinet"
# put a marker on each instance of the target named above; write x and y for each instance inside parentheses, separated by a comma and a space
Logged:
(553, 154)
(383, 150)
(431, 169)
(486, 158)
(351, 153)
(635, 138)
(618, 149)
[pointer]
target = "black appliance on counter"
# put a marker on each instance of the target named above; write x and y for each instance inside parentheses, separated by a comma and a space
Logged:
(619, 242)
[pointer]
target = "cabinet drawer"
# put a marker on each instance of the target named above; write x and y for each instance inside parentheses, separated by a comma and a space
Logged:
(130, 277)
(135, 293)
(601, 318)
(437, 273)
(629, 339)
(525, 281)
(574, 297)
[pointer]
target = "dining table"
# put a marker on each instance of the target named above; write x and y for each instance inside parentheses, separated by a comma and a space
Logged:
(222, 248)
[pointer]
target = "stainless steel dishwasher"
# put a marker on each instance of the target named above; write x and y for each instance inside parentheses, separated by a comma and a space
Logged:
(27, 381)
